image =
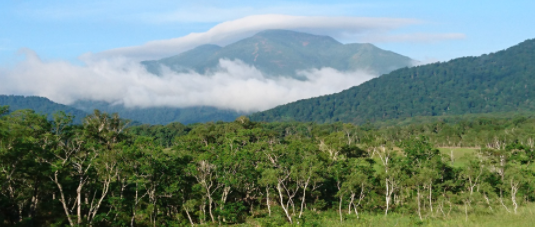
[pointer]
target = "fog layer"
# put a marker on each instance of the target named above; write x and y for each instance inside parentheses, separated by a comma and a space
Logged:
(234, 85)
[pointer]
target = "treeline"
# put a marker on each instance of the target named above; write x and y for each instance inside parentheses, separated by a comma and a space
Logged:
(160, 115)
(41, 105)
(104, 173)
(496, 82)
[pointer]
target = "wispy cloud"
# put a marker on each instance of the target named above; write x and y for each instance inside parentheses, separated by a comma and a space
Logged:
(231, 31)
(412, 37)
(213, 14)
(361, 29)
(234, 85)
(116, 76)
(181, 11)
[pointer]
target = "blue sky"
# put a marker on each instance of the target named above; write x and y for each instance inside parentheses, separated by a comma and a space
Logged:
(90, 50)
(57, 29)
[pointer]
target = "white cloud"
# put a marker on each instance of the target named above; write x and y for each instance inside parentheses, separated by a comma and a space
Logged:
(412, 37)
(361, 29)
(116, 75)
(234, 86)
(231, 31)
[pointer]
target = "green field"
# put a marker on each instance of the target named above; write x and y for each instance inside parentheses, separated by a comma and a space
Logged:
(459, 154)
(499, 218)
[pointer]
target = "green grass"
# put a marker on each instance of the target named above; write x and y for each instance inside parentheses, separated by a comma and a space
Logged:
(499, 218)
(479, 218)
(459, 155)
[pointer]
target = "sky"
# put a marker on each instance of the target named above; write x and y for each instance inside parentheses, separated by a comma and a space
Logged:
(61, 29)
(57, 38)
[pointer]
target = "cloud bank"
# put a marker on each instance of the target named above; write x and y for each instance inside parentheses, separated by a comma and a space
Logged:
(116, 76)
(366, 29)
(234, 85)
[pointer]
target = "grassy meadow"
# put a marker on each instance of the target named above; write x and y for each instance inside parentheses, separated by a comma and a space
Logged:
(457, 217)
(458, 154)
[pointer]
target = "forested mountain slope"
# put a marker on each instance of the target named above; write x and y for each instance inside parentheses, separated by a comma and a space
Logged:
(273, 52)
(154, 115)
(40, 105)
(162, 115)
(496, 82)
(283, 52)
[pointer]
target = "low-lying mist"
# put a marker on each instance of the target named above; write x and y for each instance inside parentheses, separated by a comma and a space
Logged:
(234, 85)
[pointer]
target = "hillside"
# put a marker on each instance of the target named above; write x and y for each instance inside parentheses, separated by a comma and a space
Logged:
(496, 82)
(283, 52)
(40, 105)
(162, 115)
(155, 115)
(274, 52)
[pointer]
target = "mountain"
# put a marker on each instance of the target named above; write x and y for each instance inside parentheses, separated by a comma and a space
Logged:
(283, 52)
(498, 82)
(274, 52)
(155, 115)
(161, 115)
(40, 105)
(192, 59)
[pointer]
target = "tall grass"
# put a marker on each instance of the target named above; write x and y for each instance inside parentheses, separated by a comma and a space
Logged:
(458, 154)
(524, 217)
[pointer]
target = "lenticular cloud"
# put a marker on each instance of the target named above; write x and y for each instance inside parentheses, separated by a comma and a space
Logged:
(234, 85)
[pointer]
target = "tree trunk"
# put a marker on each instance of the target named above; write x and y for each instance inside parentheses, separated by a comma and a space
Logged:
(514, 190)
(267, 201)
(501, 201)
(79, 200)
(62, 199)
(284, 207)
(351, 199)
(189, 217)
(419, 206)
(340, 209)
(210, 201)
(304, 197)
(431, 197)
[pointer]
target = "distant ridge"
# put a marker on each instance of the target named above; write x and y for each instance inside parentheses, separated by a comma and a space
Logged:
(274, 52)
(498, 82)
(162, 115)
(40, 105)
(283, 52)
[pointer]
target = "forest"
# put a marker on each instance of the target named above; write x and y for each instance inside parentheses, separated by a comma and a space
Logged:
(490, 83)
(104, 172)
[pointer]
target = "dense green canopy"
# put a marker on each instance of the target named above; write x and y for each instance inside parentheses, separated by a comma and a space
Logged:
(104, 173)
(496, 82)
(40, 105)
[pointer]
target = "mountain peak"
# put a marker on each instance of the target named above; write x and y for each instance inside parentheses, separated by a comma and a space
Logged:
(278, 52)
(207, 47)
(282, 35)
(283, 32)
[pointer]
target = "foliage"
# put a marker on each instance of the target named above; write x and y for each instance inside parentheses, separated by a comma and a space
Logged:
(161, 115)
(496, 82)
(103, 173)
(40, 105)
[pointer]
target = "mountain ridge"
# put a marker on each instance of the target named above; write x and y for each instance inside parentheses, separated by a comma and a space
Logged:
(495, 82)
(162, 115)
(40, 105)
(279, 52)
